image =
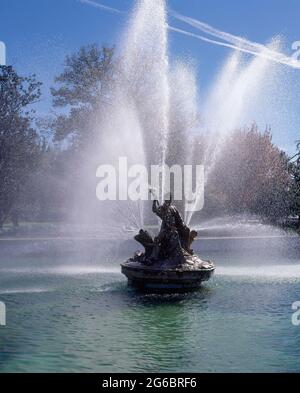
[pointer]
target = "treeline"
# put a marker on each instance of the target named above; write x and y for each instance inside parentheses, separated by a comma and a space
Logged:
(40, 158)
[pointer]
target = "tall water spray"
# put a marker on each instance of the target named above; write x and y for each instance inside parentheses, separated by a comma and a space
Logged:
(153, 107)
(145, 71)
(153, 112)
(233, 102)
(135, 123)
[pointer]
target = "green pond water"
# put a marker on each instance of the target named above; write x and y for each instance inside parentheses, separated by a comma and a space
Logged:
(69, 310)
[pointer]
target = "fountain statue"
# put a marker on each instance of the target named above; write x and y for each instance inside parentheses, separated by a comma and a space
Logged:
(168, 263)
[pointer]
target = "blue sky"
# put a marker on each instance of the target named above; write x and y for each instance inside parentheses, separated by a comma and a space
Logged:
(39, 33)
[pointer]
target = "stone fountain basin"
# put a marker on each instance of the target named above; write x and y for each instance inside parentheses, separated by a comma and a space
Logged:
(163, 277)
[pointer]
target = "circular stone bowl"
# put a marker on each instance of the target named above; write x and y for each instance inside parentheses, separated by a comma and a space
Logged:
(162, 277)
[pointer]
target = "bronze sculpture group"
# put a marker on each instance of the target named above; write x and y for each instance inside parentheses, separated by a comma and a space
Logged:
(168, 264)
(174, 240)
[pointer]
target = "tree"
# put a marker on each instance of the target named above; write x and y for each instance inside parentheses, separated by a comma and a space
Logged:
(251, 175)
(80, 97)
(294, 167)
(82, 90)
(19, 141)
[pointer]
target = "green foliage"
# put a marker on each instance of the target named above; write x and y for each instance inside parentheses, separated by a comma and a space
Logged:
(294, 169)
(251, 176)
(81, 91)
(19, 143)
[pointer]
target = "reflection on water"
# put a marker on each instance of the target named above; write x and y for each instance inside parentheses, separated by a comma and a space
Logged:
(75, 313)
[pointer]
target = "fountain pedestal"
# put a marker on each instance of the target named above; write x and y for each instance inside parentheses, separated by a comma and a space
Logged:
(165, 276)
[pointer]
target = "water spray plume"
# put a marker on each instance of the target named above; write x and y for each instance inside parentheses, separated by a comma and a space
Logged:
(155, 103)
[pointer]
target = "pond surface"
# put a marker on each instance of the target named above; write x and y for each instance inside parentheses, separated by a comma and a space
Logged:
(69, 310)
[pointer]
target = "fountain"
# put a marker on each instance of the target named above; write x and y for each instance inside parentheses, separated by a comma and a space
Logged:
(135, 122)
(152, 103)
(152, 116)
(168, 263)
